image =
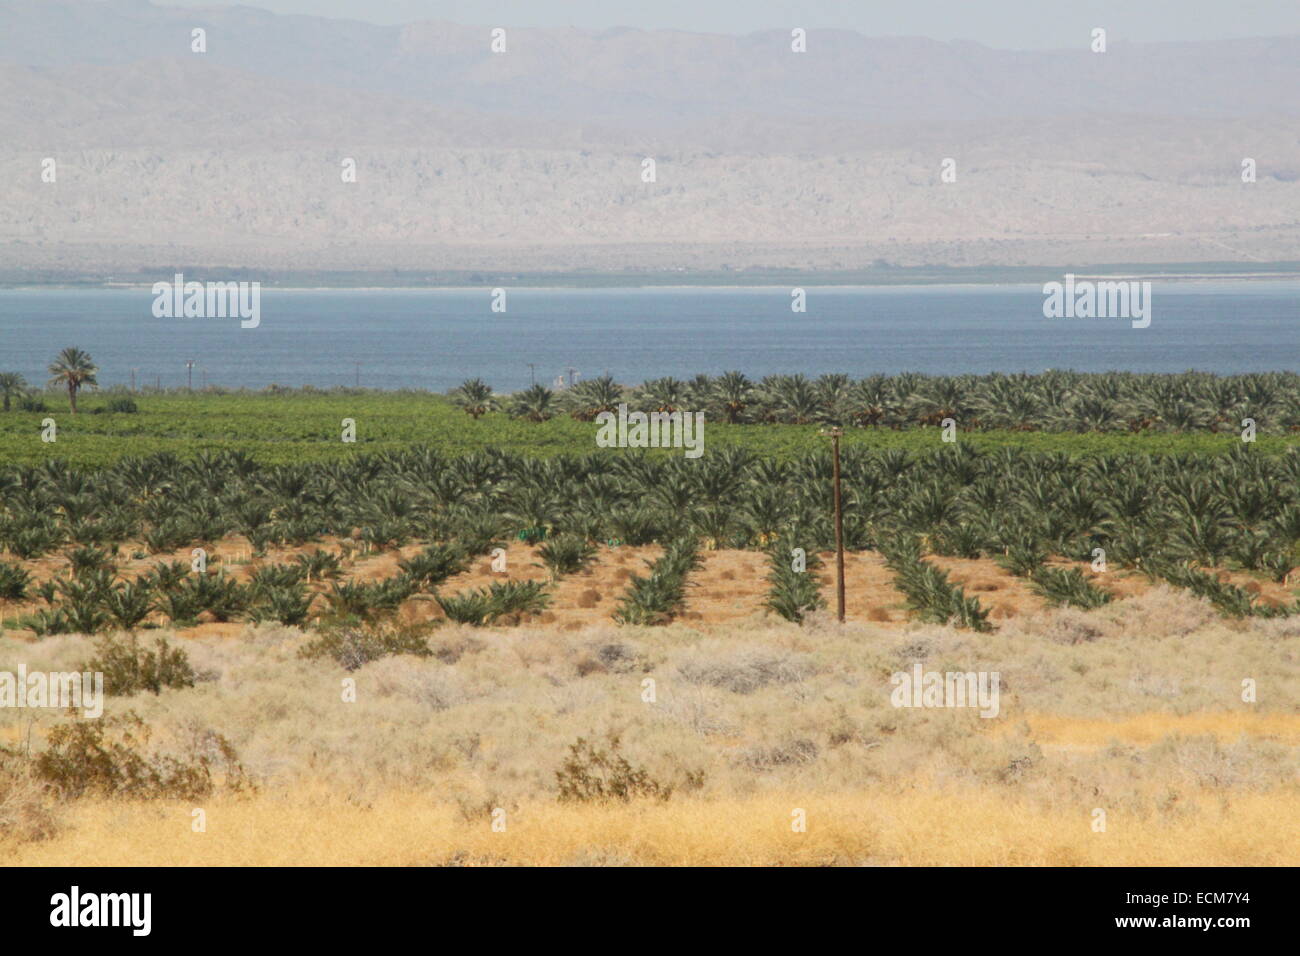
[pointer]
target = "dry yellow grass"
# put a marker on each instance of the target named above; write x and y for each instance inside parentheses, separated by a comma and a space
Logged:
(1135, 709)
(1147, 729)
(883, 826)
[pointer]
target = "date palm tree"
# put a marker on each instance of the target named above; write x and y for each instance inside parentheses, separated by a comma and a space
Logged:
(662, 395)
(793, 398)
(537, 404)
(1008, 401)
(871, 402)
(734, 392)
(11, 384)
(939, 399)
(475, 397)
(589, 398)
(74, 370)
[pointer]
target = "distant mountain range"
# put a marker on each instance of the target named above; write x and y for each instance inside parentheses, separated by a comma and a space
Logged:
(532, 159)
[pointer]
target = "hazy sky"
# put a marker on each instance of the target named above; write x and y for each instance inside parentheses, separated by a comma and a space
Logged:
(1019, 24)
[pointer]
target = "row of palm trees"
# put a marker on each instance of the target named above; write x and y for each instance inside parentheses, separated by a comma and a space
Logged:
(1051, 401)
(1167, 516)
(72, 369)
(1240, 509)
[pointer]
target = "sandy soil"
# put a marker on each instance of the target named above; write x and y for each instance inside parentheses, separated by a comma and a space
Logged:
(730, 587)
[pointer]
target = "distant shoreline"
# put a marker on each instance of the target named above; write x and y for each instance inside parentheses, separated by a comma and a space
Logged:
(460, 282)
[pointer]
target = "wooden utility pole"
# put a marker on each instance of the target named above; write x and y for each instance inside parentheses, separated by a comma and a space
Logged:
(839, 527)
(189, 366)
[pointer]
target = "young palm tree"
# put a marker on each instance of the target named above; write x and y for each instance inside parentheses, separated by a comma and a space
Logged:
(11, 384)
(475, 397)
(73, 369)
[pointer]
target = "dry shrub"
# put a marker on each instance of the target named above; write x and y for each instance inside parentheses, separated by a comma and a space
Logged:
(416, 680)
(1162, 611)
(110, 757)
(27, 810)
(1279, 627)
(595, 774)
(454, 645)
(704, 715)
(615, 657)
(1207, 763)
(354, 645)
(786, 754)
(129, 668)
(1072, 626)
(915, 650)
(601, 856)
(745, 670)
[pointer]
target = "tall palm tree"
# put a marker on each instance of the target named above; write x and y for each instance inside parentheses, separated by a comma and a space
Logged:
(662, 395)
(871, 402)
(536, 404)
(475, 397)
(74, 369)
(941, 398)
(589, 398)
(794, 399)
(11, 384)
(734, 392)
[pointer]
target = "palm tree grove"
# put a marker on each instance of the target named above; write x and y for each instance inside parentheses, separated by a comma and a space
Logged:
(649, 435)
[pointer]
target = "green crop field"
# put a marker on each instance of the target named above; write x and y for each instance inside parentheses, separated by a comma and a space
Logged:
(305, 426)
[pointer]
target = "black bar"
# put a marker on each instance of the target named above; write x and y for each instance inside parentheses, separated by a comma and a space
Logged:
(931, 907)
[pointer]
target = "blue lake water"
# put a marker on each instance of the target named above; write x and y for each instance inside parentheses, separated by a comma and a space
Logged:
(434, 339)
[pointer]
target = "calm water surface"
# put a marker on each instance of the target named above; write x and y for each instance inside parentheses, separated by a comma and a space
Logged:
(434, 339)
